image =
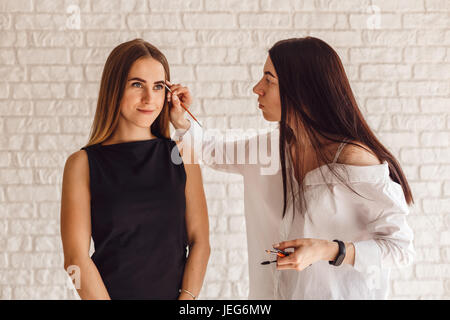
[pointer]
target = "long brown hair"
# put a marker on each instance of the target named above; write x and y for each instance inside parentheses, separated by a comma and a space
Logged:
(317, 101)
(114, 77)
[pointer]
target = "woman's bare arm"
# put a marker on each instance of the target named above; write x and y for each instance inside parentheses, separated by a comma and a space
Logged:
(76, 227)
(198, 232)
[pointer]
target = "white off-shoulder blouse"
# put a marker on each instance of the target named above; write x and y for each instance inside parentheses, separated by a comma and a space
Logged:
(374, 222)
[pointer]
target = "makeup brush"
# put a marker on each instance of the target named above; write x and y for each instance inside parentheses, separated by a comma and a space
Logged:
(268, 262)
(278, 252)
(184, 107)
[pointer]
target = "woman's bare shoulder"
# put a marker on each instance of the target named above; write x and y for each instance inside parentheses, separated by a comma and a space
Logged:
(77, 164)
(78, 158)
(358, 155)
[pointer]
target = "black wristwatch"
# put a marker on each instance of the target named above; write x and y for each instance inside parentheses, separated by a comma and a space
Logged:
(341, 255)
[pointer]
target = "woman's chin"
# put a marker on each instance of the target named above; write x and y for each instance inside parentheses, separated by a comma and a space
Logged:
(144, 124)
(268, 117)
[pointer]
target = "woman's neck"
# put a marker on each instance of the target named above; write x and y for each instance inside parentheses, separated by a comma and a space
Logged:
(306, 156)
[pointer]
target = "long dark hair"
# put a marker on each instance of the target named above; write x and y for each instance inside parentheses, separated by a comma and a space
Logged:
(112, 85)
(317, 101)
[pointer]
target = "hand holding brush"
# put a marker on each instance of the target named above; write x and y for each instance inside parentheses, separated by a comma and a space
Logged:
(180, 98)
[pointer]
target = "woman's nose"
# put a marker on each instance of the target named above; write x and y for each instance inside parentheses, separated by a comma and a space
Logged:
(257, 90)
(146, 96)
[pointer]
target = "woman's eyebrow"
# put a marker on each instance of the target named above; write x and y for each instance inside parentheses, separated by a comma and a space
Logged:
(270, 74)
(142, 80)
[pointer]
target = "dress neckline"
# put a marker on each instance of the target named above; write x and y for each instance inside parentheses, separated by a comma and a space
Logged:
(128, 142)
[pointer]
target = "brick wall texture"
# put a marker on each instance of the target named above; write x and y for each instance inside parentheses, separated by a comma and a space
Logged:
(396, 54)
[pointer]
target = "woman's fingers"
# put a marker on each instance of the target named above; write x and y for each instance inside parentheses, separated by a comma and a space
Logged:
(176, 104)
(173, 98)
(287, 266)
(287, 260)
(172, 87)
(177, 88)
(286, 244)
(181, 91)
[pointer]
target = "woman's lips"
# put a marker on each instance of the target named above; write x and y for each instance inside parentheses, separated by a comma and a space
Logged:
(260, 106)
(145, 111)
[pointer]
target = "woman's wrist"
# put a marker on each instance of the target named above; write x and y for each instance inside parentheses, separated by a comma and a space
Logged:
(182, 124)
(185, 296)
(331, 250)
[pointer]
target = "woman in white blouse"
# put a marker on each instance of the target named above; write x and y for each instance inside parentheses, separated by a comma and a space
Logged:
(352, 189)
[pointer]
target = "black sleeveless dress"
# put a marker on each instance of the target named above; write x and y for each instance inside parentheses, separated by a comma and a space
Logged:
(138, 218)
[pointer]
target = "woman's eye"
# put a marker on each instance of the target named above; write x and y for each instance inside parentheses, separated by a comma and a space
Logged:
(139, 85)
(158, 87)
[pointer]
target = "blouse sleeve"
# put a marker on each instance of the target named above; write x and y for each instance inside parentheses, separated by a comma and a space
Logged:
(384, 213)
(231, 156)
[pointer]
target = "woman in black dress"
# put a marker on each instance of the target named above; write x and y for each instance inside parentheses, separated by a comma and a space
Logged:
(145, 211)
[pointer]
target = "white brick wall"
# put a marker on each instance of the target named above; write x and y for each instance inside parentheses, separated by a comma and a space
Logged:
(50, 73)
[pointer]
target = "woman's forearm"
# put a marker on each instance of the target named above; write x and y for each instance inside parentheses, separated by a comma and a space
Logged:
(89, 282)
(195, 269)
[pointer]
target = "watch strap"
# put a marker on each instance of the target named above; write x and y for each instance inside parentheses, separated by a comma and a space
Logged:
(341, 255)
